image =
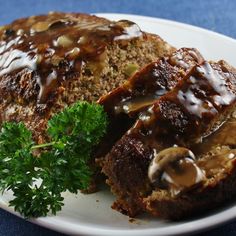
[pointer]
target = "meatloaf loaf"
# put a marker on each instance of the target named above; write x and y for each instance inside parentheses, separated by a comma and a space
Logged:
(50, 61)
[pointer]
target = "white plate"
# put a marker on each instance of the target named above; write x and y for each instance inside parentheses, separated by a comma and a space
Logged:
(91, 214)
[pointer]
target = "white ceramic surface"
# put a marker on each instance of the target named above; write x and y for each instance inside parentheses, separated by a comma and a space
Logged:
(91, 214)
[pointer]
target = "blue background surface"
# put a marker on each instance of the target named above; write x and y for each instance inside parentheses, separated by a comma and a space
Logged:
(216, 15)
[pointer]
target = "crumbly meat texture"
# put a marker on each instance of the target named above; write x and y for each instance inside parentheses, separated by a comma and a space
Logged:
(93, 76)
(126, 166)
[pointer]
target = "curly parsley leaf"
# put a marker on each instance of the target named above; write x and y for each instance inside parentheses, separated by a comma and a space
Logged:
(37, 182)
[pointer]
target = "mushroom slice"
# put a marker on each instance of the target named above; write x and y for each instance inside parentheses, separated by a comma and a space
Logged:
(175, 169)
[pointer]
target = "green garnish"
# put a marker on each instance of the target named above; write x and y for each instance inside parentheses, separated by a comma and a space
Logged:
(37, 181)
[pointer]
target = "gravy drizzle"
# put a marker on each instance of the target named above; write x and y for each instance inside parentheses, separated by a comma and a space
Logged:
(58, 44)
(191, 116)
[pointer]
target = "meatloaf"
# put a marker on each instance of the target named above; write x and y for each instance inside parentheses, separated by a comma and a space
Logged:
(179, 157)
(50, 61)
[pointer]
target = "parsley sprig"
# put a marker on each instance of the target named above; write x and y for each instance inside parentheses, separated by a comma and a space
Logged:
(37, 181)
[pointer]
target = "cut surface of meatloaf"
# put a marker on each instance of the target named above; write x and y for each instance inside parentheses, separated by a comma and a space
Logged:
(124, 104)
(50, 61)
(151, 82)
(179, 157)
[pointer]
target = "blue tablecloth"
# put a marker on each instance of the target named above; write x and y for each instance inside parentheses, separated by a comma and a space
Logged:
(216, 15)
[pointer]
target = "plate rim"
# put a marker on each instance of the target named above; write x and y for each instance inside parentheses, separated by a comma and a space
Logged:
(203, 223)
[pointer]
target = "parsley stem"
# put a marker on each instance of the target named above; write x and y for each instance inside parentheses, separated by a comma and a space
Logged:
(43, 145)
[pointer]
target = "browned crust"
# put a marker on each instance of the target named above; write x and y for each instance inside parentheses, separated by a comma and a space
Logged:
(126, 167)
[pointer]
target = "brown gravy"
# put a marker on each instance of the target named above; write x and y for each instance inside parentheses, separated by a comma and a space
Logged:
(135, 104)
(220, 148)
(196, 106)
(182, 176)
(187, 113)
(187, 173)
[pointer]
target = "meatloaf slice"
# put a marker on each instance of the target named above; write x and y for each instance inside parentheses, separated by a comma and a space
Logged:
(124, 104)
(149, 83)
(177, 160)
(50, 61)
